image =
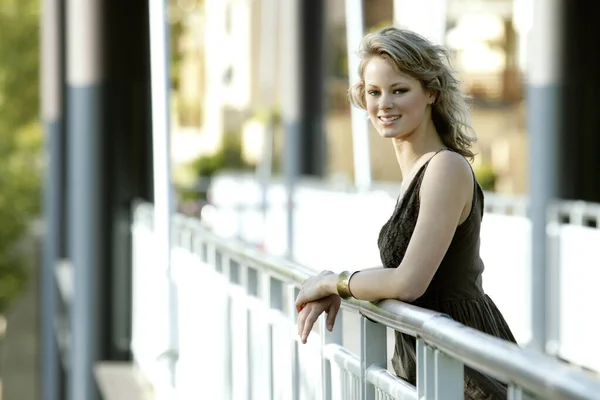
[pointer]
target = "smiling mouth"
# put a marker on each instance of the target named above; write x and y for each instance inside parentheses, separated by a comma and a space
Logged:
(388, 119)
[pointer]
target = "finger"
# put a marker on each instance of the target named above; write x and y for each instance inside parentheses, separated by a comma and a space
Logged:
(301, 320)
(300, 306)
(306, 297)
(300, 301)
(308, 324)
(332, 313)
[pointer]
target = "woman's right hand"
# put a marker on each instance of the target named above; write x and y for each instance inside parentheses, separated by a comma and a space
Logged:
(311, 311)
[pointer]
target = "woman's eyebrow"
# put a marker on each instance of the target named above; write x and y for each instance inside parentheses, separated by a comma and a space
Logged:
(392, 85)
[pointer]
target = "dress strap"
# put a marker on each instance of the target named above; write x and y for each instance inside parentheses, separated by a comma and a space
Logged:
(423, 167)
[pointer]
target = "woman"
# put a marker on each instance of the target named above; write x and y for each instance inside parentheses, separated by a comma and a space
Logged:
(430, 245)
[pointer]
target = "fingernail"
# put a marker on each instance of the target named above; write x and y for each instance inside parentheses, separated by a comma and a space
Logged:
(330, 327)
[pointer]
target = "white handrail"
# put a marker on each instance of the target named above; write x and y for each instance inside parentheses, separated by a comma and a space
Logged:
(441, 340)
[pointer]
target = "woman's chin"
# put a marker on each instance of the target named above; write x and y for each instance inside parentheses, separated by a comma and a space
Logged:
(389, 133)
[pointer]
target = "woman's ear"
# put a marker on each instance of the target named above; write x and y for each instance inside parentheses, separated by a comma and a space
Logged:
(432, 97)
(432, 91)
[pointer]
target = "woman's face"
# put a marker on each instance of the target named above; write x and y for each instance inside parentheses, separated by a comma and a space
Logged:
(397, 104)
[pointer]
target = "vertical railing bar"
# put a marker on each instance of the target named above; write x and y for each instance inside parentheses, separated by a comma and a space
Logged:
(211, 256)
(243, 283)
(449, 377)
(514, 393)
(191, 233)
(291, 311)
(277, 306)
(373, 346)
(197, 249)
(553, 284)
(253, 288)
(182, 227)
(517, 393)
(226, 266)
(421, 370)
(204, 251)
(336, 336)
(429, 372)
(265, 295)
(228, 331)
(250, 356)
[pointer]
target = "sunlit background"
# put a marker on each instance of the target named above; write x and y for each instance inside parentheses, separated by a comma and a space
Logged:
(237, 86)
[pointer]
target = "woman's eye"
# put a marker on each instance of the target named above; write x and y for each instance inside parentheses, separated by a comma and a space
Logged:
(400, 91)
(373, 93)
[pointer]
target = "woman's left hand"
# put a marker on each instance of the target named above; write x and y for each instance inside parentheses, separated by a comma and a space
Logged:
(315, 288)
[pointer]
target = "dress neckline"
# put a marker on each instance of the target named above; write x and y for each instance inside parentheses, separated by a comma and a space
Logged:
(415, 178)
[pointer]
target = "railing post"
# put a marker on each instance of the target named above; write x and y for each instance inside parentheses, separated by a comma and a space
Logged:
(449, 377)
(553, 293)
(228, 370)
(239, 307)
(516, 393)
(336, 336)
(291, 293)
(373, 350)
(425, 370)
(265, 295)
(438, 375)
(279, 327)
(259, 341)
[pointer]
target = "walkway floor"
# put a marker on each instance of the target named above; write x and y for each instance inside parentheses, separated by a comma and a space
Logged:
(19, 352)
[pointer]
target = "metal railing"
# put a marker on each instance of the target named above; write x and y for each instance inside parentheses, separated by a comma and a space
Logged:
(237, 335)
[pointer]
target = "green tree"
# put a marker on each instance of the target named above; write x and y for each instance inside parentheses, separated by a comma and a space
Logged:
(20, 139)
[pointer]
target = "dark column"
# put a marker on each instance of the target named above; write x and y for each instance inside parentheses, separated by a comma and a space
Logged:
(312, 141)
(580, 130)
(128, 163)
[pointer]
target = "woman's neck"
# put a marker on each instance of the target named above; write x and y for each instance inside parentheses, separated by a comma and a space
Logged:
(410, 149)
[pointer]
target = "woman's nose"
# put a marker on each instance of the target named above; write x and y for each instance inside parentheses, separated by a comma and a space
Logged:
(385, 103)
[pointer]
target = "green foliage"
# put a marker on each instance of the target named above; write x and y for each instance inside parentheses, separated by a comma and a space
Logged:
(207, 165)
(228, 156)
(486, 177)
(268, 115)
(20, 139)
(20, 201)
(176, 31)
(19, 63)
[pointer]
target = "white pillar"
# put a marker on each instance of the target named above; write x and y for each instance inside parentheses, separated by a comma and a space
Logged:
(290, 79)
(163, 190)
(425, 17)
(215, 47)
(360, 125)
(544, 122)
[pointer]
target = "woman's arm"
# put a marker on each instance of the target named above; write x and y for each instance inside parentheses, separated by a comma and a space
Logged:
(446, 191)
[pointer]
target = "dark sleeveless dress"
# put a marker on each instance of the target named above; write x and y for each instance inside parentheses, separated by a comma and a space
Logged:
(456, 288)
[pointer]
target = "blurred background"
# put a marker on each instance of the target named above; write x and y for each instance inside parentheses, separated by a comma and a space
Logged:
(224, 98)
(238, 80)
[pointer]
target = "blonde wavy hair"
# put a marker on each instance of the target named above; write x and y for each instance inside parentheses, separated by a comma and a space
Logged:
(415, 56)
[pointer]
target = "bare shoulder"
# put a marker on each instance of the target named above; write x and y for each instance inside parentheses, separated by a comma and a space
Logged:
(450, 163)
(449, 172)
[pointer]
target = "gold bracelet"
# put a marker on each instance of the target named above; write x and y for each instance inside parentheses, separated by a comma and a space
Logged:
(343, 284)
